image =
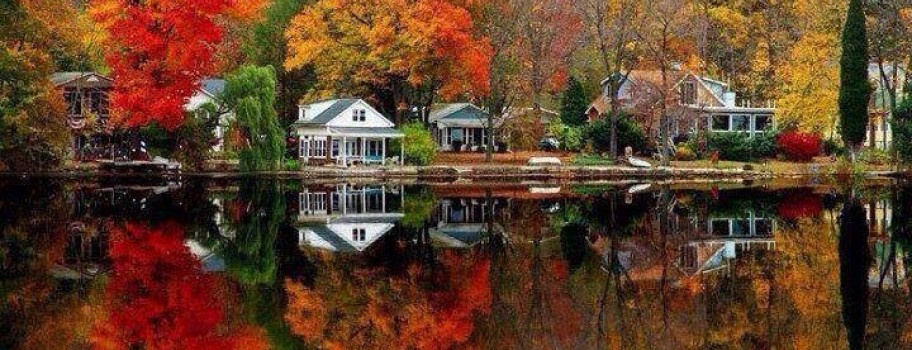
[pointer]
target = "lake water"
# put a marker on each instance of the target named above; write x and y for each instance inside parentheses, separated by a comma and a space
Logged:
(289, 265)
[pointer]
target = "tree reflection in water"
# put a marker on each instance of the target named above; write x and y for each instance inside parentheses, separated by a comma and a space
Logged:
(159, 297)
(494, 267)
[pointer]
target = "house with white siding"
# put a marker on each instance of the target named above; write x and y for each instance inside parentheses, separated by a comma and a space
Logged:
(460, 127)
(343, 132)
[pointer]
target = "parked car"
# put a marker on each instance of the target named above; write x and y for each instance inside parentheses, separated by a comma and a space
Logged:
(549, 144)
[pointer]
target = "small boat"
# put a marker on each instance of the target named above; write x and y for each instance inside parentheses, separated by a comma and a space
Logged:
(638, 163)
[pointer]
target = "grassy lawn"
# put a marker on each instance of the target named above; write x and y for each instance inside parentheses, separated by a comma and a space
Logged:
(591, 160)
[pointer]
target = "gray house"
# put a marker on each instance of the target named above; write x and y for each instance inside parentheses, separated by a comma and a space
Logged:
(460, 125)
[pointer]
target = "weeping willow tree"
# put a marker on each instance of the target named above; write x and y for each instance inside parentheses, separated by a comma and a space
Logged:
(251, 255)
(250, 92)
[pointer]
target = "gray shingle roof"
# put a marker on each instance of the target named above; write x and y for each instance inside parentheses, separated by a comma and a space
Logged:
(337, 107)
(464, 111)
(213, 86)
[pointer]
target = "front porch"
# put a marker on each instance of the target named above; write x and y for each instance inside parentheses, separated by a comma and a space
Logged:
(457, 139)
(346, 147)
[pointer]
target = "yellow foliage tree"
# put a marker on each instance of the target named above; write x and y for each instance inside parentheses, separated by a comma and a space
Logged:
(810, 84)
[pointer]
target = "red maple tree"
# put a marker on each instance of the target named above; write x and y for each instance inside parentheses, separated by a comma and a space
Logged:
(160, 51)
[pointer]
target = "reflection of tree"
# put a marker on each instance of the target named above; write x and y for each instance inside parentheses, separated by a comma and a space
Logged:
(854, 264)
(361, 307)
(160, 299)
(256, 217)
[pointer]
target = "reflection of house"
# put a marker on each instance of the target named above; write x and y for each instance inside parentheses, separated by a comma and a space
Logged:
(725, 239)
(463, 222)
(460, 124)
(344, 131)
(700, 103)
(347, 218)
(86, 254)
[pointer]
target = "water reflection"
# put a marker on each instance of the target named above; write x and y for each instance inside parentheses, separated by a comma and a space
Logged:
(289, 265)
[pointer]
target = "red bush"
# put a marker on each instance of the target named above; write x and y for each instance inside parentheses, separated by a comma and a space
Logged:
(799, 146)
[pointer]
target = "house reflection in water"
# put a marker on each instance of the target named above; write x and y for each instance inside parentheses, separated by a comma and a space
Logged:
(86, 255)
(720, 240)
(347, 218)
(463, 222)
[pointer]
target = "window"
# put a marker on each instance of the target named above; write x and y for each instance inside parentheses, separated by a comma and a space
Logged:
(74, 103)
(319, 148)
(740, 123)
(312, 203)
(99, 101)
(359, 115)
(762, 123)
(688, 93)
(720, 123)
(359, 234)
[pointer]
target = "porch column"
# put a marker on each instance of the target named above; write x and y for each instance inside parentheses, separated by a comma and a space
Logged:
(343, 149)
(329, 149)
(401, 152)
(363, 149)
(383, 152)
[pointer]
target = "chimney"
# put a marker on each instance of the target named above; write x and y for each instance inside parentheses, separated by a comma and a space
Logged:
(730, 99)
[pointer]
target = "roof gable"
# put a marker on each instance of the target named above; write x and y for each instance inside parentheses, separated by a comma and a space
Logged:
(326, 111)
(89, 78)
(458, 111)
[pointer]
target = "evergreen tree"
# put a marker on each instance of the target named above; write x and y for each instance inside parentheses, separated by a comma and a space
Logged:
(855, 90)
(250, 93)
(574, 104)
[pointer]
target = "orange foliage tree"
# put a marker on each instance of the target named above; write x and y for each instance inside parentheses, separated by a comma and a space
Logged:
(393, 50)
(358, 308)
(160, 51)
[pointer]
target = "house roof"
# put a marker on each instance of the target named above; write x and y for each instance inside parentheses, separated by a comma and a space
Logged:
(458, 111)
(336, 107)
(61, 78)
(366, 132)
(213, 87)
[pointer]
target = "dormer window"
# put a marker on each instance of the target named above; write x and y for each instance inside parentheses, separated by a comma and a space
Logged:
(359, 115)
(359, 235)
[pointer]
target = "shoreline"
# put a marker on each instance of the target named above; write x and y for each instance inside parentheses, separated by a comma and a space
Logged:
(486, 172)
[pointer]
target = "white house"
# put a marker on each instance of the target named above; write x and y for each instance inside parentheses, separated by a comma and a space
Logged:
(347, 218)
(208, 93)
(344, 132)
(460, 124)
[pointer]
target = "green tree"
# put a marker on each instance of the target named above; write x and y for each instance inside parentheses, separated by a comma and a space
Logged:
(267, 47)
(574, 104)
(854, 90)
(250, 93)
(419, 144)
(629, 133)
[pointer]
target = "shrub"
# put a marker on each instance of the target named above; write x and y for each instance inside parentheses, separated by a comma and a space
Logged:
(902, 131)
(418, 143)
(831, 147)
(799, 146)
(457, 145)
(570, 137)
(740, 146)
(629, 133)
(874, 156)
(684, 154)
